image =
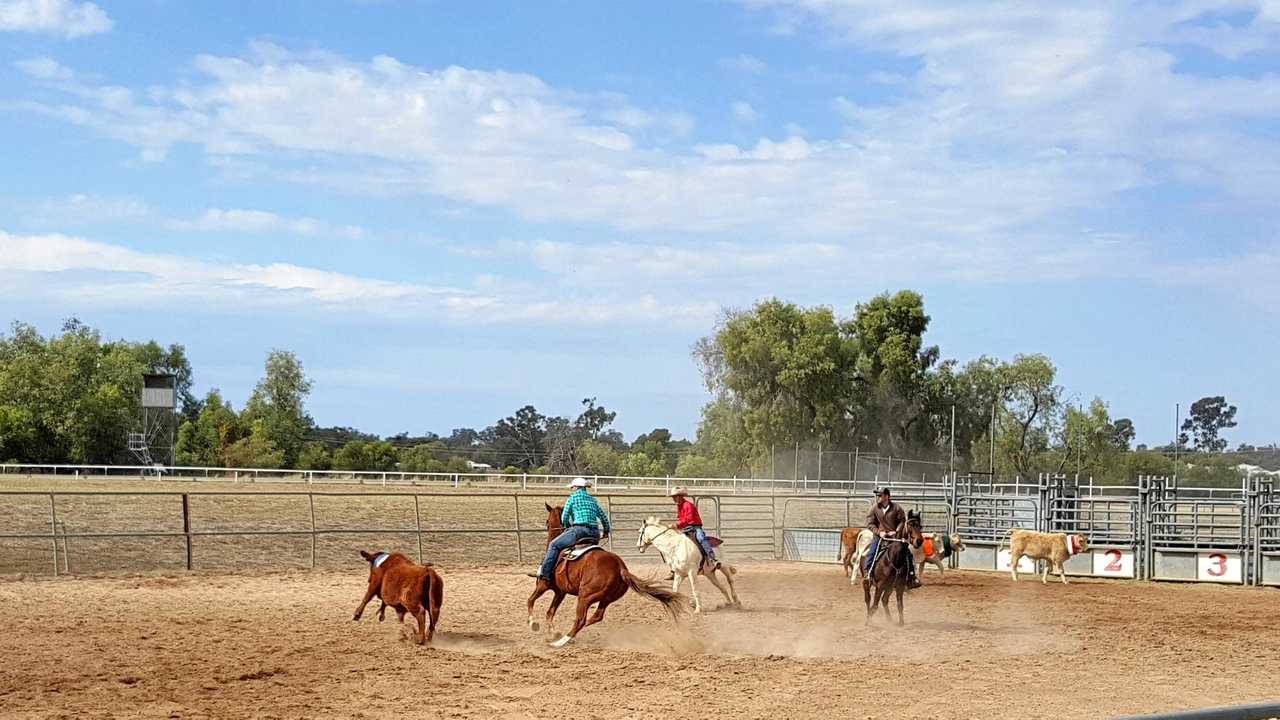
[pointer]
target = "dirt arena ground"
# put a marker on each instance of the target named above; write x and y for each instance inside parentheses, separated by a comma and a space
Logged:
(283, 646)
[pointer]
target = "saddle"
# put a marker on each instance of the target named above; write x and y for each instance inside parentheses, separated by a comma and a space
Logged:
(577, 551)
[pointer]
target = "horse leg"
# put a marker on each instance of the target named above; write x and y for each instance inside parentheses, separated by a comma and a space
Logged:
(400, 615)
(382, 611)
(883, 597)
(598, 615)
(551, 611)
(693, 590)
(538, 590)
(866, 596)
(728, 598)
(898, 588)
(580, 619)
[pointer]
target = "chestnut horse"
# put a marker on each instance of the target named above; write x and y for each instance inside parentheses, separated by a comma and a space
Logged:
(599, 577)
(892, 567)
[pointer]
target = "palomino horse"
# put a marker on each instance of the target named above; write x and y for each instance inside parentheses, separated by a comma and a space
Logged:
(685, 560)
(891, 567)
(598, 576)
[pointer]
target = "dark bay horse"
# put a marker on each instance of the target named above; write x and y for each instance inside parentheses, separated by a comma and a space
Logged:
(892, 567)
(598, 578)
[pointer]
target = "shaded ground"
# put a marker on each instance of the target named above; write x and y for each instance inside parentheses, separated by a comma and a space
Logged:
(283, 645)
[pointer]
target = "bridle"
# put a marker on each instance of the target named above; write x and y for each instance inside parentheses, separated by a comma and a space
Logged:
(644, 544)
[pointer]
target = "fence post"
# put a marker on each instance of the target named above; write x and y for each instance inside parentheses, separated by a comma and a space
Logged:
(524, 481)
(417, 523)
(515, 499)
(186, 525)
(53, 531)
(311, 503)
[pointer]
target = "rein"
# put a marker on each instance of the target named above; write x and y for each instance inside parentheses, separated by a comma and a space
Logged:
(644, 545)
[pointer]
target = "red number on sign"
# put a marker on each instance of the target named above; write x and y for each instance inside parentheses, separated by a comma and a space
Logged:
(1114, 565)
(1219, 568)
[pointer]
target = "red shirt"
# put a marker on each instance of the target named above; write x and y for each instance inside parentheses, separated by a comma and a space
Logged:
(687, 514)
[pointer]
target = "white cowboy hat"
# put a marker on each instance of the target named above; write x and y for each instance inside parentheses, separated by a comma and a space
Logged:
(677, 491)
(579, 482)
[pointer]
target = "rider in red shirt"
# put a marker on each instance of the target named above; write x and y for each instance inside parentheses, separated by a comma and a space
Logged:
(689, 522)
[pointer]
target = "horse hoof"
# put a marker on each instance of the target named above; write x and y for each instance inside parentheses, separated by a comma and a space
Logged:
(564, 640)
(535, 627)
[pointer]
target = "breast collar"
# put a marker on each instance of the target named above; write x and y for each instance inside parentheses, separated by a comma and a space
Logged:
(381, 558)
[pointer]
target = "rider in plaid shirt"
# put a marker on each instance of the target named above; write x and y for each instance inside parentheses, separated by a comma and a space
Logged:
(580, 518)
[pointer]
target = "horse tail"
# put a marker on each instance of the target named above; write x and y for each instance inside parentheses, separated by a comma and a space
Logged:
(673, 602)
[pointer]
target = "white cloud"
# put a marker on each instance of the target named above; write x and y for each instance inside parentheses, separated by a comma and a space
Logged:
(53, 17)
(748, 64)
(743, 112)
(1018, 119)
(53, 267)
(86, 209)
(260, 221)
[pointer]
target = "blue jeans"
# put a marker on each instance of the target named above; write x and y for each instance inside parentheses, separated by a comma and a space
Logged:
(566, 539)
(699, 536)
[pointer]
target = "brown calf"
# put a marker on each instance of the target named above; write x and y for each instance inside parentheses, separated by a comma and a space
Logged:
(1053, 548)
(406, 587)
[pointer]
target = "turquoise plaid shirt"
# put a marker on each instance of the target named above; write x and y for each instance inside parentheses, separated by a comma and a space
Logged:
(582, 509)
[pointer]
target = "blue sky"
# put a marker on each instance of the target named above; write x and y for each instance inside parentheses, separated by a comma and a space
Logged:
(449, 210)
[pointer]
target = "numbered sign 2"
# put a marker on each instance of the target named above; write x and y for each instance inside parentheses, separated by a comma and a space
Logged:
(1025, 565)
(1110, 562)
(1219, 567)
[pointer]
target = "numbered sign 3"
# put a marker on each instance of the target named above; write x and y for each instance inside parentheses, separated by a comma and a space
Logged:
(1025, 565)
(1110, 562)
(1219, 567)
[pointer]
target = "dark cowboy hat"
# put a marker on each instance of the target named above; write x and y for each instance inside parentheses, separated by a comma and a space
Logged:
(882, 491)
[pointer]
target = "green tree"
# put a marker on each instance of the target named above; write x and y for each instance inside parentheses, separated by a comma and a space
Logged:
(279, 403)
(697, 466)
(518, 438)
(424, 457)
(1209, 417)
(597, 458)
(788, 369)
(205, 440)
(1031, 414)
(362, 455)
(254, 451)
(723, 438)
(894, 408)
(638, 464)
(314, 456)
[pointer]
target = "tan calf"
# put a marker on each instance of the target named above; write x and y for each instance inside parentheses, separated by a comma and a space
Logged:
(1053, 548)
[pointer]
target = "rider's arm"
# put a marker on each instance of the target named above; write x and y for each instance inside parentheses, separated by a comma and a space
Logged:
(683, 516)
(604, 518)
(566, 515)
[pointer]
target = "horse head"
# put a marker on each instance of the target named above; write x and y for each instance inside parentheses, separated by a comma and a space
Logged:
(913, 529)
(554, 528)
(651, 528)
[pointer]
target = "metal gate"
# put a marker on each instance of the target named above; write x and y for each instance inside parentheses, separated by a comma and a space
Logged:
(984, 522)
(1112, 527)
(1198, 540)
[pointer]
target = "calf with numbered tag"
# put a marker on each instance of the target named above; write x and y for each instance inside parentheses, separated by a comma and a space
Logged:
(1053, 548)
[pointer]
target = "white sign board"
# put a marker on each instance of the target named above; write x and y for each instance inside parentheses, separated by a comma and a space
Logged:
(1219, 567)
(1113, 563)
(1025, 564)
